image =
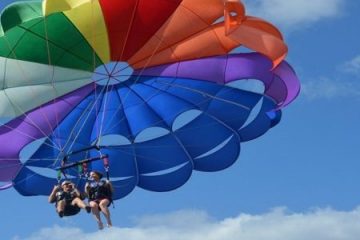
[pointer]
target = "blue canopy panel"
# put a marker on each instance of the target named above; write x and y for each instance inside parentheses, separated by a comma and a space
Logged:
(167, 181)
(266, 119)
(139, 115)
(111, 118)
(72, 133)
(163, 164)
(123, 187)
(167, 106)
(78, 124)
(210, 150)
(233, 106)
(196, 92)
(29, 183)
(121, 159)
(230, 105)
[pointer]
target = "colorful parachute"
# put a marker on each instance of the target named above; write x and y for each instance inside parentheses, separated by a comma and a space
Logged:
(157, 88)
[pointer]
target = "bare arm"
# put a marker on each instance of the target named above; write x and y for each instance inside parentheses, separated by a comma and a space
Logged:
(87, 189)
(76, 191)
(52, 197)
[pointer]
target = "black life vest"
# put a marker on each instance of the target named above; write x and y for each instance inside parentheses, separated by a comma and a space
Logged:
(67, 196)
(99, 190)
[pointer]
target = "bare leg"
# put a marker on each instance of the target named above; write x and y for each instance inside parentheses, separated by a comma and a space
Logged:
(60, 208)
(105, 210)
(95, 210)
(78, 202)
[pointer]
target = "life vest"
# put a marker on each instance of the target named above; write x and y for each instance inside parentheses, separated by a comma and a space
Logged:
(99, 190)
(67, 196)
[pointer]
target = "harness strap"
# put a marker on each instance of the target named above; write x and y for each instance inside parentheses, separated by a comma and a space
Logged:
(58, 176)
(106, 166)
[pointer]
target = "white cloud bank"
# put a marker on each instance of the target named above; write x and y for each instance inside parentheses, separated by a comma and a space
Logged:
(325, 88)
(321, 224)
(347, 85)
(352, 66)
(294, 13)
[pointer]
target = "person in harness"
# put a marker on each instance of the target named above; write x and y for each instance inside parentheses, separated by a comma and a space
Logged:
(67, 199)
(100, 197)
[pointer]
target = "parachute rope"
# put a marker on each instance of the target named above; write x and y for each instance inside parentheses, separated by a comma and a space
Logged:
(83, 123)
(136, 80)
(195, 106)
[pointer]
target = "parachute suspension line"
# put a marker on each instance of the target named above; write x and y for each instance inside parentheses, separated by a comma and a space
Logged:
(127, 34)
(87, 117)
(54, 146)
(49, 64)
(158, 91)
(142, 70)
(205, 94)
(105, 100)
(145, 65)
(172, 133)
(93, 35)
(106, 167)
(49, 58)
(32, 138)
(139, 75)
(91, 106)
(93, 23)
(209, 125)
(53, 74)
(120, 108)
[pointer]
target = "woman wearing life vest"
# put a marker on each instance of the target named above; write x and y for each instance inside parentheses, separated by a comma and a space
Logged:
(100, 197)
(67, 199)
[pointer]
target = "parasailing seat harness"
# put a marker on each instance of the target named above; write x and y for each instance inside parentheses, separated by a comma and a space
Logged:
(98, 190)
(67, 196)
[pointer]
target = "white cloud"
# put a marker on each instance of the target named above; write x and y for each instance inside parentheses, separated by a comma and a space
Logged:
(325, 88)
(352, 66)
(294, 13)
(320, 224)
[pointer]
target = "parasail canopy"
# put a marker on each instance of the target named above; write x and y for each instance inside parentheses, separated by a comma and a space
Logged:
(161, 87)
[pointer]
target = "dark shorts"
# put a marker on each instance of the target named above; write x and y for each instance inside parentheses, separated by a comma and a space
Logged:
(71, 210)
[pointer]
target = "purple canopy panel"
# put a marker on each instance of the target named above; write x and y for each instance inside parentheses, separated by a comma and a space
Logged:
(6, 186)
(281, 83)
(287, 74)
(34, 125)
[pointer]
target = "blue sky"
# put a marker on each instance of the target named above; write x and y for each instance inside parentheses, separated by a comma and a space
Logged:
(300, 180)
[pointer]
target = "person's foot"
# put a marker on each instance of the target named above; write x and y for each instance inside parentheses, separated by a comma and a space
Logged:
(100, 226)
(61, 214)
(109, 225)
(88, 209)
